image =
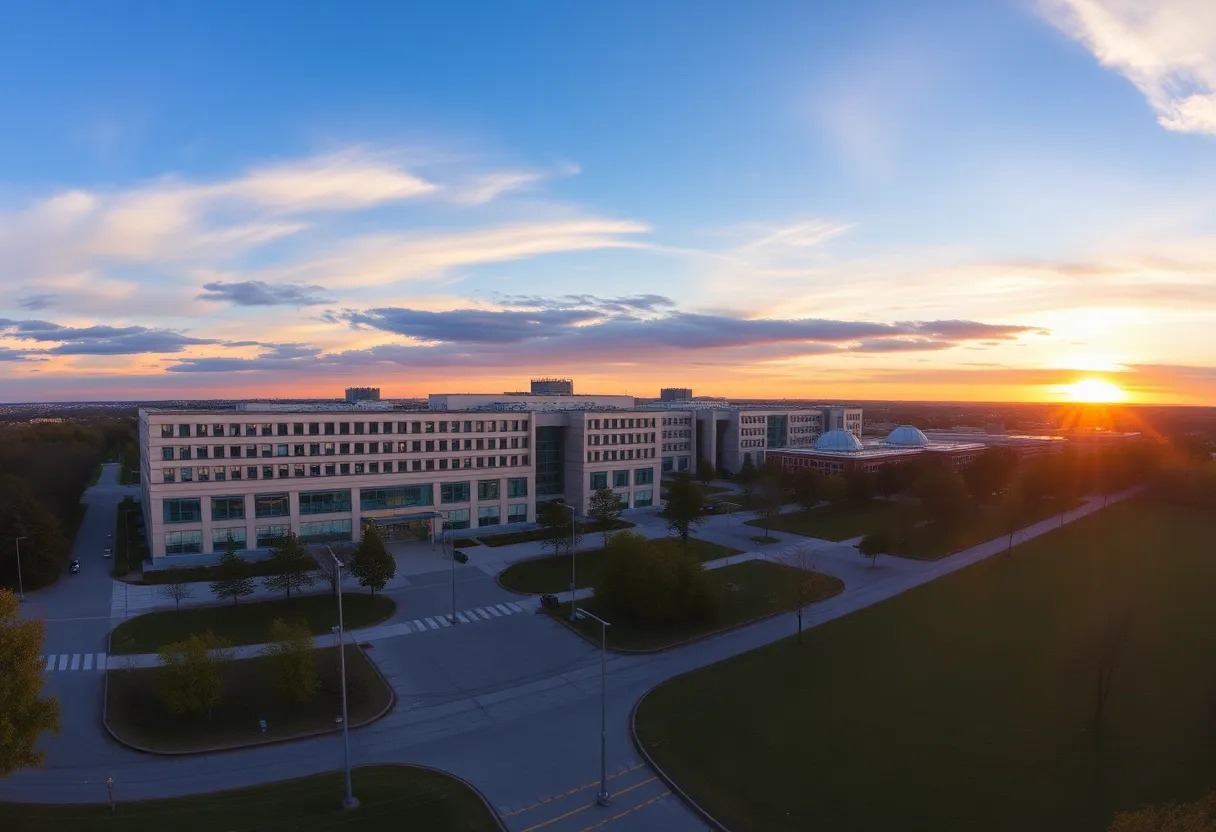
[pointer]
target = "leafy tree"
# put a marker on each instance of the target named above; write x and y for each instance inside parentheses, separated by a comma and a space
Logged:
(44, 551)
(705, 471)
(807, 486)
(685, 508)
(944, 495)
(1013, 510)
(295, 661)
(373, 565)
(860, 485)
(1199, 816)
(652, 582)
(800, 589)
(176, 590)
(190, 677)
(769, 498)
(878, 542)
(232, 576)
(292, 565)
(749, 474)
(991, 473)
(603, 508)
(1037, 481)
(834, 489)
(889, 480)
(558, 527)
(25, 715)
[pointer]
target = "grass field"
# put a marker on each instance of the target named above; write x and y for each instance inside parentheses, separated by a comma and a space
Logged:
(135, 713)
(833, 522)
(511, 538)
(744, 593)
(249, 622)
(932, 542)
(391, 798)
(552, 573)
(968, 703)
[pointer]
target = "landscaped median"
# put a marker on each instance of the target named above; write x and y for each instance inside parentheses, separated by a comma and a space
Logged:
(742, 593)
(834, 522)
(552, 573)
(533, 535)
(250, 622)
(391, 798)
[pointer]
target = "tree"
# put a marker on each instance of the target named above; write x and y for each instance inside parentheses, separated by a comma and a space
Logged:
(652, 582)
(176, 590)
(748, 475)
(232, 576)
(25, 715)
(860, 485)
(991, 473)
(800, 589)
(44, 550)
(1199, 816)
(190, 678)
(291, 652)
(292, 565)
(705, 471)
(685, 508)
(769, 498)
(944, 495)
(557, 522)
(603, 508)
(878, 542)
(834, 489)
(807, 486)
(889, 480)
(373, 565)
(1014, 511)
(330, 573)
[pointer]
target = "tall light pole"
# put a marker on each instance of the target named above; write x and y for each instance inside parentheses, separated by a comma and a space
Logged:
(602, 797)
(348, 802)
(573, 581)
(20, 582)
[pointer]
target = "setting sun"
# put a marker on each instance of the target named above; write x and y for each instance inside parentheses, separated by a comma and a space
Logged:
(1095, 390)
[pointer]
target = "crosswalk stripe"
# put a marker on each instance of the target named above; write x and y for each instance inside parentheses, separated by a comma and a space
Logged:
(443, 621)
(75, 661)
(50, 663)
(505, 609)
(419, 625)
(63, 661)
(460, 617)
(517, 606)
(101, 661)
(494, 612)
(430, 622)
(482, 612)
(88, 661)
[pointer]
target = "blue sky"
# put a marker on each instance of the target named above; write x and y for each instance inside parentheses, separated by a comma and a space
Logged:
(1041, 171)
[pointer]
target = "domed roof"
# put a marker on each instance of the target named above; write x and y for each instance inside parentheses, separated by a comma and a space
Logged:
(838, 440)
(907, 435)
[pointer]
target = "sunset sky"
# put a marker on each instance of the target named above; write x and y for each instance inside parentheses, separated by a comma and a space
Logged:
(972, 199)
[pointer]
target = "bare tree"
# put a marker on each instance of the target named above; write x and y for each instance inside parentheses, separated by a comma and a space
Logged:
(801, 589)
(329, 571)
(176, 590)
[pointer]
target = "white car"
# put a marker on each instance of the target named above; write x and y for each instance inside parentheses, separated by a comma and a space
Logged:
(105, 553)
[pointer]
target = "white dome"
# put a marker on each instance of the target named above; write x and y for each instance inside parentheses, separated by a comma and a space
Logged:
(838, 440)
(907, 435)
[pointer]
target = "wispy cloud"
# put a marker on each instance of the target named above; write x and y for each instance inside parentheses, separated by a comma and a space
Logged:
(1167, 48)
(259, 293)
(101, 339)
(35, 303)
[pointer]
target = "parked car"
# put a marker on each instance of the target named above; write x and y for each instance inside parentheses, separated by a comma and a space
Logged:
(105, 553)
(549, 601)
(714, 508)
(74, 567)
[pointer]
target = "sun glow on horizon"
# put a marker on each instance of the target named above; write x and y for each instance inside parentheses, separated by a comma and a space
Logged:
(1095, 391)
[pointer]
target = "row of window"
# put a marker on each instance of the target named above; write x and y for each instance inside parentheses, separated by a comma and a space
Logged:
(672, 463)
(616, 456)
(753, 420)
(332, 469)
(340, 448)
(620, 438)
(677, 434)
(677, 420)
(189, 509)
(620, 479)
(806, 417)
(343, 428)
(615, 424)
(678, 446)
(751, 443)
(752, 431)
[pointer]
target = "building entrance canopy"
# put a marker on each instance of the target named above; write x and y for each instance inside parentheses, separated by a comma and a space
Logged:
(396, 518)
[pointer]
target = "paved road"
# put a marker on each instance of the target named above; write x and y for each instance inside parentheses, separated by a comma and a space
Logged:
(513, 706)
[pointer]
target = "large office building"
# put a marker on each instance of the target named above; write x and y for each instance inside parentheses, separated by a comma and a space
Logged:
(675, 394)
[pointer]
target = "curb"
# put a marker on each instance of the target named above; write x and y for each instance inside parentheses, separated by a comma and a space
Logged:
(484, 800)
(697, 809)
(392, 703)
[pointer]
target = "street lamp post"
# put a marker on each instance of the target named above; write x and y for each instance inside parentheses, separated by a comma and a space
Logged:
(348, 802)
(602, 797)
(20, 582)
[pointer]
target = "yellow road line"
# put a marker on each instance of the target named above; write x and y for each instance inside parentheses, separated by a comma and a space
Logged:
(588, 806)
(626, 812)
(575, 790)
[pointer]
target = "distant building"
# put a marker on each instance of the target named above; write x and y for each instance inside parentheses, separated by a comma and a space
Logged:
(675, 394)
(552, 387)
(363, 394)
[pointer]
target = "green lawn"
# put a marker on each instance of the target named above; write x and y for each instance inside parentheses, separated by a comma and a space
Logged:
(833, 522)
(248, 622)
(511, 538)
(552, 573)
(931, 541)
(135, 713)
(253, 568)
(392, 798)
(968, 703)
(744, 592)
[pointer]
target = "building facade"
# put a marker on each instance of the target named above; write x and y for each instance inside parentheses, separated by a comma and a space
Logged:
(552, 387)
(675, 394)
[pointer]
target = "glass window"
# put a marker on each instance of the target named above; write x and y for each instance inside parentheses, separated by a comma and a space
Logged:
(166, 453)
(221, 537)
(325, 531)
(183, 543)
(488, 516)
(183, 452)
(344, 428)
(271, 505)
(267, 430)
(281, 450)
(404, 496)
(517, 487)
(324, 502)
(297, 428)
(166, 431)
(185, 510)
(641, 499)
(183, 430)
(487, 490)
(169, 474)
(517, 513)
(457, 519)
(227, 508)
(221, 474)
(251, 472)
(643, 476)
(599, 479)
(267, 535)
(359, 428)
(620, 479)
(200, 430)
(623, 498)
(454, 492)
